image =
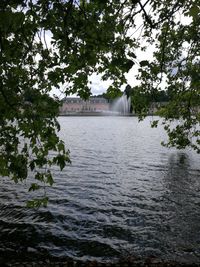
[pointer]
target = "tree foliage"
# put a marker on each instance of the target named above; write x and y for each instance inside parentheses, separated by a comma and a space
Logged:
(47, 44)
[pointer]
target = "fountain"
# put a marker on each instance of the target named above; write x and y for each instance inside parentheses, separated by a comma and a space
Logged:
(122, 105)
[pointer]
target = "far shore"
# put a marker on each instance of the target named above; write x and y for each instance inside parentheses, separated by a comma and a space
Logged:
(95, 114)
(100, 114)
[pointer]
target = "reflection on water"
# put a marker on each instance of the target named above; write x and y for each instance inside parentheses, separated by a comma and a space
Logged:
(124, 194)
(182, 199)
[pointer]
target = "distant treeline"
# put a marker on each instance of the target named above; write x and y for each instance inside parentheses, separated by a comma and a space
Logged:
(135, 93)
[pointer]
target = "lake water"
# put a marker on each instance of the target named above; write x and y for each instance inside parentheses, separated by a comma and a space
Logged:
(124, 194)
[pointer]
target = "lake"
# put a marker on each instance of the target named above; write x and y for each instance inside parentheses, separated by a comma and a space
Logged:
(124, 194)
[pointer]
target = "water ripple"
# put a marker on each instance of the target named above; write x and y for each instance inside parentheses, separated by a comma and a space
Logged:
(123, 194)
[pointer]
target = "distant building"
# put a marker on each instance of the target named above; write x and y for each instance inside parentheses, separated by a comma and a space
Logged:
(101, 106)
(75, 105)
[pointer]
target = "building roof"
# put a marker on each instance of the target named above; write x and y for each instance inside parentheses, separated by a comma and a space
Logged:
(80, 100)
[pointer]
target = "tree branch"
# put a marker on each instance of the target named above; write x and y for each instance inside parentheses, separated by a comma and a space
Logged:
(148, 19)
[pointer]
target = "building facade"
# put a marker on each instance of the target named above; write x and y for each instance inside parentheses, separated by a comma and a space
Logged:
(75, 105)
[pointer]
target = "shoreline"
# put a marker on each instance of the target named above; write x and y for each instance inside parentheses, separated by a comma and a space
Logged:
(96, 114)
(69, 262)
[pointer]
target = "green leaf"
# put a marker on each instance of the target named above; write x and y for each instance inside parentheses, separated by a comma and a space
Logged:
(154, 124)
(34, 187)
(40, 177)
(61, 146)
(32, 165)
(194, 11)
(128, 65)
(37, 203)
(50, 180)
(144, 63)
